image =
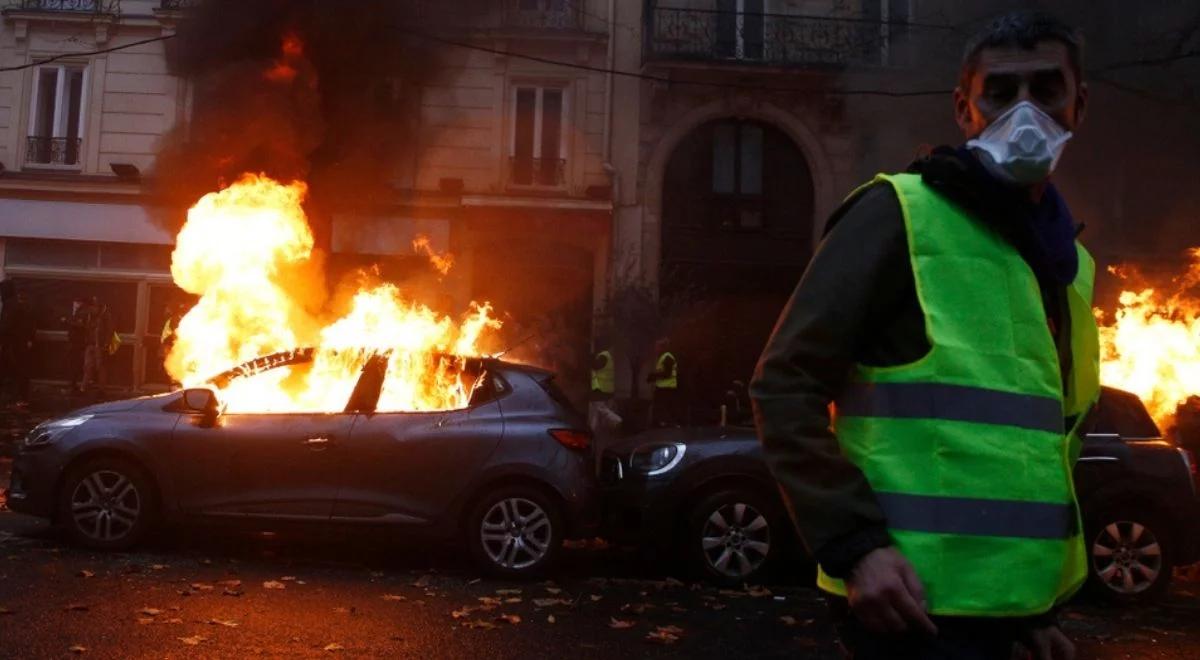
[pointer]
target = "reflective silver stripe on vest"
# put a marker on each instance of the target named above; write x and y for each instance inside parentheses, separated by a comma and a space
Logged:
(977, 517)
(952, 402)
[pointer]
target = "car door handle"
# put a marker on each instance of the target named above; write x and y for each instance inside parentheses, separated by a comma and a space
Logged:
(317, 443)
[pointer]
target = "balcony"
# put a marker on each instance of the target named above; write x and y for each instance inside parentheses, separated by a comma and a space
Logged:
(543, 14)
(543, 172)
(77, 6)
(56, 151)
(760, 38)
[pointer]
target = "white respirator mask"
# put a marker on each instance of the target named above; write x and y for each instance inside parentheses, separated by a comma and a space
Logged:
(1023, 145)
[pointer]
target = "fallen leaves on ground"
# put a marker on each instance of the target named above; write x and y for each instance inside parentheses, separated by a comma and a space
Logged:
(508, 592)
(223, 622)
(273, 584)
(394, 597)
(231, 591)
(288, 578)
(150, 611)
(201, 586)
(4, 611)
(158, 567)
(75, 607)
(665, 634)
(636, 608)
(78, 649)
(553, 590)
(595, 598)
(422, 582)
(333, 647)
(479, 623)
(85, 574)
(489, 602)
(550, 619)
(511, 619)
(619, 624)
(550, 602)
(194, 640)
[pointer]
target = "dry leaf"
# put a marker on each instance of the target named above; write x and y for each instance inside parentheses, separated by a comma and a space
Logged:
(619, 624)
(85, 574)
(512, 601)
(636, 608)
(143, 620)
(672, 582)
(77, 649)
(4, 611)
(718, 606)
(462, 612)
(595, 597)
(673, 630)
(174, 620)
(758, 591)
(422, 582)
(228, 591)
(553, 590)
(475, 581)
(661, 637)
(508, 592)
(76, 607)
(158, 567)
(550, 619)
(550, 602)
(489, 601)
(272, 584)
(394, 597)
(223, 622)
(201, 586)
(512, 619)
(230, 583)
(334, 647)
(150, 611)
(480, 623)
(288, 578)
(194, 640)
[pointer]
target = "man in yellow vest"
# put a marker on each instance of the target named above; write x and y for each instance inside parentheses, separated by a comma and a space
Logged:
(946, 318)
(601, 417)
(666, 405)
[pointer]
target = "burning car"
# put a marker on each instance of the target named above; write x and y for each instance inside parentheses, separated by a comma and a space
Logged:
(509, 471)
(706, 495)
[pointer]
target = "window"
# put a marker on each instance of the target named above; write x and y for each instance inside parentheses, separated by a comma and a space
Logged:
(56, 116)
(538, 153)
(740, 29)
(737, 172)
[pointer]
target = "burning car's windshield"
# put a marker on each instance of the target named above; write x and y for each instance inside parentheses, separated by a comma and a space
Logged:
(324, 380)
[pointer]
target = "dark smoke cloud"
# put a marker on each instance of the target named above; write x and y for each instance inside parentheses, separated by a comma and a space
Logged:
(337, 107)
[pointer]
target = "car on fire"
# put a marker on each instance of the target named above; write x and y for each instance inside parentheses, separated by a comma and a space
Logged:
(511, 473)
(705, 495)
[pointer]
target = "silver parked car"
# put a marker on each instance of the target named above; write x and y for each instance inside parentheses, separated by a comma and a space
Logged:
(511, 474)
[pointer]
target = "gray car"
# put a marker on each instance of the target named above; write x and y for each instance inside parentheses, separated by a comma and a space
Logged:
(511, 474)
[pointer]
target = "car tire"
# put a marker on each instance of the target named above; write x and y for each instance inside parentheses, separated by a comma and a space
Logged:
(1130, 554)
(515, 532)
(107, 504)
(733, 536)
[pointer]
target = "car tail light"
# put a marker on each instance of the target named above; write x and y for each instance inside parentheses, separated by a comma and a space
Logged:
(572, 438)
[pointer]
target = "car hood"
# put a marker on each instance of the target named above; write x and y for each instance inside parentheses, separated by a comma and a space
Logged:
(124, 405)
(690, 435)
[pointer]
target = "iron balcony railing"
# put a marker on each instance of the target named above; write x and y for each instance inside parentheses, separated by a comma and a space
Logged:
(676, 33)
(83, 6)
(42, 150)
(544, 14)
(537, 171)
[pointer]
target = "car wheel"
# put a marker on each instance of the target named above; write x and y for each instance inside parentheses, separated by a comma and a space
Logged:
(106, 504)
(515, 532)
(1129, 554)
(733, 536)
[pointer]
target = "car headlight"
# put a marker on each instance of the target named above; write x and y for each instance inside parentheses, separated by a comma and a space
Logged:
(656, 459)
(48, 432)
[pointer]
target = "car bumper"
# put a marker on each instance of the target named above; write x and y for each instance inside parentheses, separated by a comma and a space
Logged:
(637, 510)
(32, 485)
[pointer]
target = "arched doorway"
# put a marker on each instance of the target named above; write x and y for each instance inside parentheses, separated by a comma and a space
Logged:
(737, 231)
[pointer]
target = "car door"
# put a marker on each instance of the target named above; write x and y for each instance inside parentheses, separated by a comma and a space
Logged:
(274, 465)
(408, 468)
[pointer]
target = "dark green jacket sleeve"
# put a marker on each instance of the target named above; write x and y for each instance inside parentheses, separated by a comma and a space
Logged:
(855, 303)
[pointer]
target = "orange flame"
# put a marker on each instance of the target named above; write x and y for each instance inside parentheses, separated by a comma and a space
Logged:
(284, 69)
(1152, 346)
(247, 251)
(442, 262)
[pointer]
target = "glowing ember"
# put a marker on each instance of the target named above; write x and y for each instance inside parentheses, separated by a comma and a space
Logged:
(1152, 346)
(247, 251)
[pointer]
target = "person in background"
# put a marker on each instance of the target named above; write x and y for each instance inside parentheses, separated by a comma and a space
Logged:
(602, 419)
(76, 324)
(18, 328)
(99, 336)
(665, 408)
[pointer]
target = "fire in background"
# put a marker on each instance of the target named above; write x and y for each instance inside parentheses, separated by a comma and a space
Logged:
(1151, 344)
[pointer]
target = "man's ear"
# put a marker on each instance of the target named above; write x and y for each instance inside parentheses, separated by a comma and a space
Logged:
(962, 111)
(1081, 99)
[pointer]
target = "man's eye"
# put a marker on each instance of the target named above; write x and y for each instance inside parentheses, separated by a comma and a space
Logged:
(1048, 88)
(1000, 91)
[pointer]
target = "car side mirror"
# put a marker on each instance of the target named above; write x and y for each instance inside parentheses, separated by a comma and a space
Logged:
(203, 401)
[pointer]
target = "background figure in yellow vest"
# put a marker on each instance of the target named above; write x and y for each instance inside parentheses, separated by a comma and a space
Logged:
(602, 419)
(666, 409)
(947, 313)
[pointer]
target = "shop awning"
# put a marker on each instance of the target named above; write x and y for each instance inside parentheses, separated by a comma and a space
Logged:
(80, 221)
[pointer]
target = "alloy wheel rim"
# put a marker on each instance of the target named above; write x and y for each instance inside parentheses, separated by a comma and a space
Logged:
(106, 505)
(736, 540)
(516, 533)
(1127, 557)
